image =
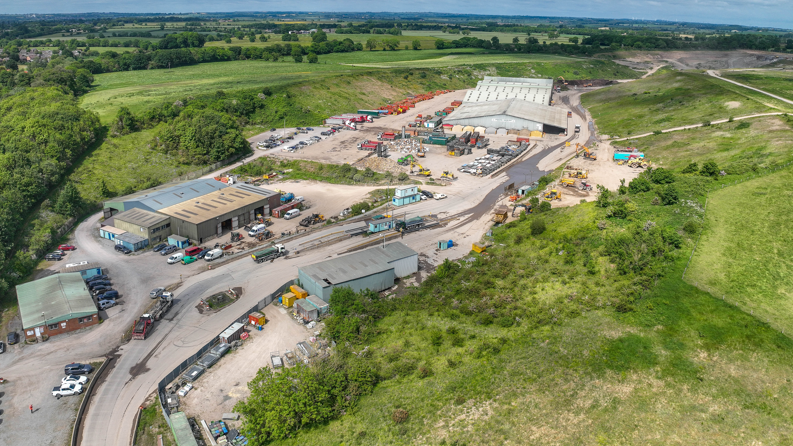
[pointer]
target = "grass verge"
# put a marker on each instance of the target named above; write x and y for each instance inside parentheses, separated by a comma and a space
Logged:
(151, 425)
(779, 83)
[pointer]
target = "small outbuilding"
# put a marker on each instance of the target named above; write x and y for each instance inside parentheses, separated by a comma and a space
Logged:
(110, 232)
(147, 224)
(54, 305)
(85, 270)
(405, 195)
(131, 241)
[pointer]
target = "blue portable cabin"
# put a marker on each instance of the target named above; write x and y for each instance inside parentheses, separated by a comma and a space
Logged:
(131, 241)
(380, 224)
(405, 195)
(110, 232)
(179, 241)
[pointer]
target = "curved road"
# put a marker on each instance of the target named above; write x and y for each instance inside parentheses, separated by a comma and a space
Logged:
(718, 76)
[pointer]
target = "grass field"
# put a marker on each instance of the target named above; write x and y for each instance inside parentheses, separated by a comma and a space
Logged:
(427, 42)
(779, 83)
(502, 37)
(743, 252)
(669, 100)
(734, 145)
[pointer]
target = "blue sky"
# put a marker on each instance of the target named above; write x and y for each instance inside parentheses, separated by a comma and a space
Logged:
(774, 13)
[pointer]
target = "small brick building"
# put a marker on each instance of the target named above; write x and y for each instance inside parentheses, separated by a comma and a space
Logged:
(54, 305)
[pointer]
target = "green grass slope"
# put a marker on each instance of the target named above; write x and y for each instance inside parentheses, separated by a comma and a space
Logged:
(675, 366)
(779, 83)
(735, 146)
(669, 100)
(744, 251)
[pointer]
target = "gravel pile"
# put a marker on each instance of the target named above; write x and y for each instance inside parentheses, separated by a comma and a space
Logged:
(381, 165)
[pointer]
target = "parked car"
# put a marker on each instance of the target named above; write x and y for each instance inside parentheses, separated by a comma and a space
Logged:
(55, 257)
(2, 347)
(175, 258)
(157, 292)
(76, 368)
(105, 304)
(440, 196)
(97, 277)
(201, 254)
(67, 247)
(272, 130)
(101, 289)
(168, 249)
(66, 390)
(13, 337)
(59, 252)
(122, 249)
(74, 379)
(96, 283)
(108, 295)
(186, 260)
(310, 129)
(426, 193)
(193, 250)
(159, 247)
(118, 247)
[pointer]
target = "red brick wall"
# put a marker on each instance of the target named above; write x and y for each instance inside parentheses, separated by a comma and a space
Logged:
(71, 325)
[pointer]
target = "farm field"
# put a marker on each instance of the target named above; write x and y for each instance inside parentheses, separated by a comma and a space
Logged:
(668, 100)
(775, 82)
(503, 37)
(743, 254)
(304, 39)
(734, 146)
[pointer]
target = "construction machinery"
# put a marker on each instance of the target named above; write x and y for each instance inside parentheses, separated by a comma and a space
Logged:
(406, 160)
(582, 174)
(568, 182)
(585, 151)
(270, 253)
(421, 152)
(638, 163)
(421, 170)
(140, 328)
(585, 185)
(264, 235)
(312, 220)
(513, 198)
(565, 82)
(526, 208)
(235, 237)
(163, 305)
(446, 175)
(500, 214)
(553, 194)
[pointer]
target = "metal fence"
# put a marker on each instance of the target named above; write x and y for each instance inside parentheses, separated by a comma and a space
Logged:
(187, 363)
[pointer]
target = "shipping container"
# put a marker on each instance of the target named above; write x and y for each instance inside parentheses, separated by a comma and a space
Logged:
(232, 333)
(256, 318)
(300, 293)
(288, 300)
(281, 210)
(321, 305)
(370, 112)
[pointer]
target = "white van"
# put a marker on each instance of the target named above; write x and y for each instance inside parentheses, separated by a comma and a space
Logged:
(175, 258)
(299, 199)
(292, 214)
(214, 254)
(256, 230)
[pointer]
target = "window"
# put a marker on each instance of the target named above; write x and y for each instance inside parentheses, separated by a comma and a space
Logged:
(52, 326)
(83, 320)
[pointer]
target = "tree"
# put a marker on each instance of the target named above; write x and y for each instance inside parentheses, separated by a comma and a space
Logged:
(440, 44)
(319, 37)
(391, 43)
(604, 196)
(709, 169)
(545, 206)
(416, 44)
(691, 168)
(494, 42)
(668, 194)
(371, 44)
(69, 201)
(263, 38)
(638, 185)
(537, 226)
(515, 40)
(103, 189)
(297, 53)
(660, 175)
(574, 40)
(312, 58)
(125, 122)
(11, 64)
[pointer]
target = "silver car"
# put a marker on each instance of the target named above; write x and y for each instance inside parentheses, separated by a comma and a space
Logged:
(155, 293)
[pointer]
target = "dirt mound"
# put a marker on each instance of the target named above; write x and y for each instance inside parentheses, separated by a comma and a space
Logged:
(382, 165)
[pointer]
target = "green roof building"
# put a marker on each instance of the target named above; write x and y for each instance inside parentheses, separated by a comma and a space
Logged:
(56, 304)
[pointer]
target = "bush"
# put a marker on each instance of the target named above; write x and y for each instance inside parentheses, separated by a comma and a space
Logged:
(668, 194)
(743, 125)
(537, 226)
(436, 338)
(660, 175)
(691, 227)
(535, 202)
(639, 185)
(709, 169)
(402, 176)
(545, 180)
(691, 168)
(545, 206)
(604, 196)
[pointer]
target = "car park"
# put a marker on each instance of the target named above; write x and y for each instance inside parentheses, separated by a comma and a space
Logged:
(186, 260)
(67, 247)
(157, 292)
(54, 257)
(66, 390)
(105, 304)
(76, 368)
(12, 338)
(74, 379)
(440, 196)
(159, 247)
(175, 258)
(168, 249)
(201, 254)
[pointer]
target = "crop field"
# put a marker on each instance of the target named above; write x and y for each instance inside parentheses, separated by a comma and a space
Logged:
(734, 146)
(304, 39)
(743, 254)
(779, 83)
(670, 100)
(503, 37)
(465, 56)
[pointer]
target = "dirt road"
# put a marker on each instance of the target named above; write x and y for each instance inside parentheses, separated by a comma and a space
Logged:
(717, 75)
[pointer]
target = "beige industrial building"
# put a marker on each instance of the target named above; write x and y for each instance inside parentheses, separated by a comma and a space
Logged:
(151, 225)
(539, 91)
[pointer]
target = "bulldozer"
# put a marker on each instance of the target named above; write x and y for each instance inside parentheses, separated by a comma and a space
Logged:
(421, 170)
(638, 163)
(582, 174)
(553, 195)
(526, 208)
(446, 175)
(568, 182)
(235, 237)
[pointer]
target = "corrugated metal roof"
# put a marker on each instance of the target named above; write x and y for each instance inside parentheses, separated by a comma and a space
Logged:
(519, 80)
(255, 189)
(182, 432)
(78, 268)
(112, 230)
(213, 205)
(357, 265)
(516, 108)
(155, 199)
(500, 88)
(54, 299)
(141, 217)
(130, 238)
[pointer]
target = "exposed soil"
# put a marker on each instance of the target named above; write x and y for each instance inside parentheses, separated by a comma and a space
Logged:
(701, 60)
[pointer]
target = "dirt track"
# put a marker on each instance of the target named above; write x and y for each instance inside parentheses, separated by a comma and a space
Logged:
(699, 60)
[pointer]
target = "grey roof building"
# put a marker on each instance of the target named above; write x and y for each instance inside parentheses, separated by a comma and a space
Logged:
(510, 114)
(151, 225)
(374, 268)
(161, 197)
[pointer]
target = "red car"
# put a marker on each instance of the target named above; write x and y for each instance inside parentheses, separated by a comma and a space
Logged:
(67, 247)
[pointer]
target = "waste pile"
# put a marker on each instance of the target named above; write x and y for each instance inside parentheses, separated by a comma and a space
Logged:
(381, 165)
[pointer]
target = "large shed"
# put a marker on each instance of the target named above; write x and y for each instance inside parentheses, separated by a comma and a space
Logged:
(161, 197)
(55, 304)
(510, 114)
(375, 268)
(499, 88)
(147, 224)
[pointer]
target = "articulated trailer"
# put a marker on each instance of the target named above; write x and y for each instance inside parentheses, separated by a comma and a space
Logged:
(269, 254)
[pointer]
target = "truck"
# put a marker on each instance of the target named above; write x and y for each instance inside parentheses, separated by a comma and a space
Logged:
(140, 328)
(358, 117)
(287, 197)
(500, 214)
(270, 253)
(409, 225)
(163, 305)
(386, 136)
(214, 254)
(625, 156)
(577, 128)
(369, 145)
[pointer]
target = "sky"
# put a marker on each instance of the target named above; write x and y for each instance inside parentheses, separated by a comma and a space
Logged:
(764, 13)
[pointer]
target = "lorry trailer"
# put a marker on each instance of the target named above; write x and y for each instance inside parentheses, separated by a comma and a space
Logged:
(270, 253)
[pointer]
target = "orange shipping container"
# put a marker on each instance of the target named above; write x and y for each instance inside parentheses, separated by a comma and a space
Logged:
(256, 318)
(300, 293)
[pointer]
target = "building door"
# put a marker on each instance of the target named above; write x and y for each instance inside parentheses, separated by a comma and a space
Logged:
(220, 229)
(252, 216)
(234, 223)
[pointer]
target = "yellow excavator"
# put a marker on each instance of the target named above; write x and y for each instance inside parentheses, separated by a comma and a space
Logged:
(446, 175)
(421, 170)
(582, 174)
(586, 152)
(553, 195)
(565, 82)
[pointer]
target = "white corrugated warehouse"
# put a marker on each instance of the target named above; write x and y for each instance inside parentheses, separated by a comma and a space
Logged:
(500, 88)
(509, 114)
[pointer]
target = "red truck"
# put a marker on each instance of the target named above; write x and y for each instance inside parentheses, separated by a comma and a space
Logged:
(369, 145)
(357, 117)
(386, 136)
(140, 328)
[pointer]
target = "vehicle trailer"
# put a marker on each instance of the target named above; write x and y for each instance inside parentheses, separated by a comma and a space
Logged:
(412, 224)
(140, 328)
(269, 254)
(163, 305)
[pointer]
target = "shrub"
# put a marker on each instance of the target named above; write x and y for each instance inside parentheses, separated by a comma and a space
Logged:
(604, 196)
(660, 175)
(691, 227)
(545, 206)
(535, 202)
(425, 371)
(545, 180)
(402, 176)
(691, 168)
(400, 416)
(505, 321)
(743, 125)
(537, 226)
(639, 185)
(668, 194)
(709, 169)
(436, 338)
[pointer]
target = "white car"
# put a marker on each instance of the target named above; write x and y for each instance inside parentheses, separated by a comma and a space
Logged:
(66, 390)
(176, 258)
(74, 379)
(167, 294)
(183, 391)
(440, 196)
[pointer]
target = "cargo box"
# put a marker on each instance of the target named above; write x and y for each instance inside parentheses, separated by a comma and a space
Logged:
(300, 293)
